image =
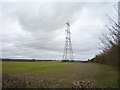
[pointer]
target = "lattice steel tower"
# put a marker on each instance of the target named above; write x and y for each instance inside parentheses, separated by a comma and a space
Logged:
(68, 52)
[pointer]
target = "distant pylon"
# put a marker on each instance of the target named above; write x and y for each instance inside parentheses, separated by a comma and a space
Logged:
(68, 52)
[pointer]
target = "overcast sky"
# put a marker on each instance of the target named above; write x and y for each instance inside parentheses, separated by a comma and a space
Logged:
(37, 30)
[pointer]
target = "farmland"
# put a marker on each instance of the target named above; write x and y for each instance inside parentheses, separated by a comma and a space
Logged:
(57, 74)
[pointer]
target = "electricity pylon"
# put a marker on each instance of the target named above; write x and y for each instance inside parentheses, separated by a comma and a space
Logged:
(68, 52)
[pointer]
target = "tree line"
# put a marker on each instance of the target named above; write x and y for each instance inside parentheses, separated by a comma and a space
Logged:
(110, 44)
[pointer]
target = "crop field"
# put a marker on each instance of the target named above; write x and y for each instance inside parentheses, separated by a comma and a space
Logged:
(58, 75)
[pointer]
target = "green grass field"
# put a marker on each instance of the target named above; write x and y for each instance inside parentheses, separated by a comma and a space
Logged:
(57, 74)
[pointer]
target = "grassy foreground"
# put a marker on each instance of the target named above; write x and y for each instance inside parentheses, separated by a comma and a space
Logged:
(57, 74)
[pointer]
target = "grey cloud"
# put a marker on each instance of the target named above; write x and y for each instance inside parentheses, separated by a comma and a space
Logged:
(36, 30)
(51, 18)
